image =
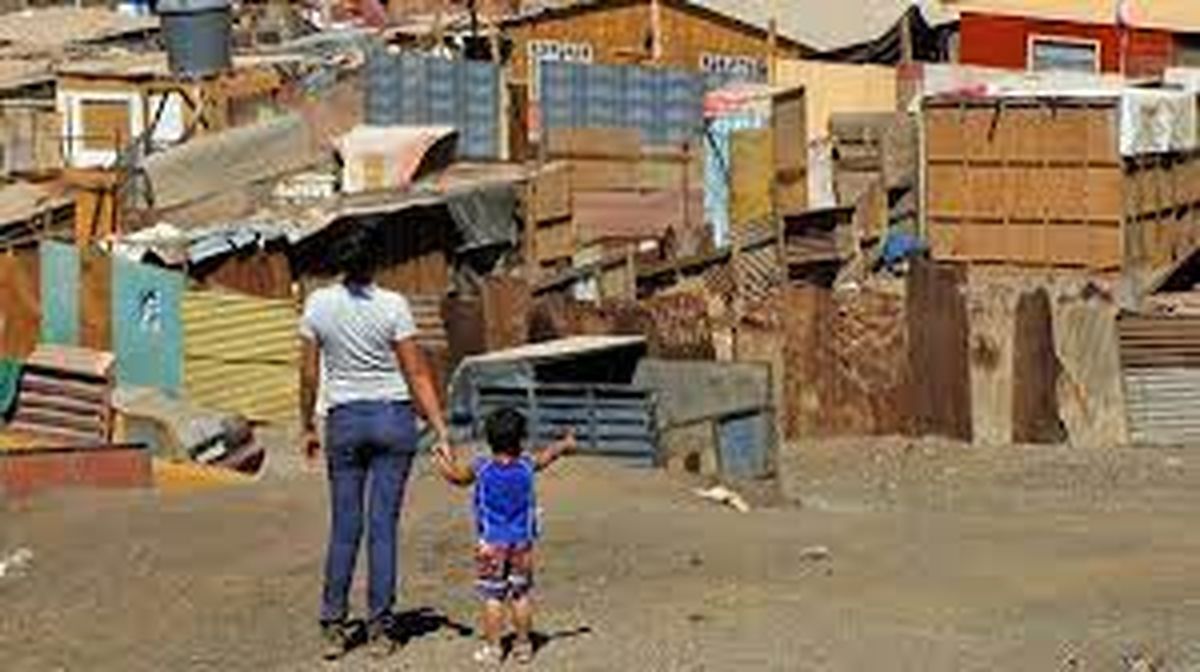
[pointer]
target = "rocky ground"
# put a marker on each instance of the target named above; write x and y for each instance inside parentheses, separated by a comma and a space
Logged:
(880, 555)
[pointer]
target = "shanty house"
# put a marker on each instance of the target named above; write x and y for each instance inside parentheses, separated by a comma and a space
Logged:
(105, 104)
(729, 39)
(1134, 37)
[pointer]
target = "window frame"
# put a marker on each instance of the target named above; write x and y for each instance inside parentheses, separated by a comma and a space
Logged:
(1095, 45)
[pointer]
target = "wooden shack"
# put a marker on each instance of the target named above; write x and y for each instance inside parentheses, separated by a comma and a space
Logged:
(1043, 182)
(672, 33)
(104, 104)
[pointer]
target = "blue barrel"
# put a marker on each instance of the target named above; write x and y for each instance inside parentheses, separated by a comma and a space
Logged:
(197, 35)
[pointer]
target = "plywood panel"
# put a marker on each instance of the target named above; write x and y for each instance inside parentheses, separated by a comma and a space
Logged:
(944, 133)
(751, 174)
(555, 241)
(552, 192)
(95, 300)
(20, 311)
(789, 123)
(105, 124)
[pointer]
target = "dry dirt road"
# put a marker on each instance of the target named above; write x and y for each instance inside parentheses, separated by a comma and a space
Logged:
(941, 558)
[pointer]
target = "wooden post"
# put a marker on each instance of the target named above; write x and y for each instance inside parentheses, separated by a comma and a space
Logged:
(531, 224)
(773, 43)
(656, 49)
(906, 36)
(685, 186)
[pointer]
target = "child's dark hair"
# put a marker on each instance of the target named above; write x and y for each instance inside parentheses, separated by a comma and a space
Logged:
(506, 430)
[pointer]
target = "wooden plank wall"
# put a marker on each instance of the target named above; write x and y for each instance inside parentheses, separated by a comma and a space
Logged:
(788, 124)
(617, 33)
(95, 299)
(1035, 183)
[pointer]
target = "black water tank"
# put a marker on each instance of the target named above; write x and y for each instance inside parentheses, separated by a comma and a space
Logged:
(197, 35)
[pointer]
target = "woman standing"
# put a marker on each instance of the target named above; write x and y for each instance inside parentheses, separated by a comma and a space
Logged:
(373, 376)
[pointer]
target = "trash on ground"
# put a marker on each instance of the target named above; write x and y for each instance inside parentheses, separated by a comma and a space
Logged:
(723, 495)
(816, 554)
(14, 563)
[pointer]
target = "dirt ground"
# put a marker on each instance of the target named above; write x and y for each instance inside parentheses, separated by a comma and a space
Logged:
(939, 558)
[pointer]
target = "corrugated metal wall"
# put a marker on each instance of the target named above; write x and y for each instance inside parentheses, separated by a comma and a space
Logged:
(146, 326)
(667, 106)
(241, 354)
(407, 88)
(1160, 361)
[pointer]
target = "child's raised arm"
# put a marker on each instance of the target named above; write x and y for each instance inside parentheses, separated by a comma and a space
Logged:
(445, 459)
(550, 454)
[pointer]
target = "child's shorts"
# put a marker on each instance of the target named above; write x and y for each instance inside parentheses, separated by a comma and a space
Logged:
(503, 571)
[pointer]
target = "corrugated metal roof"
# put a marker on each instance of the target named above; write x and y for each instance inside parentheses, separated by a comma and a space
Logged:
(57, 27)
(241, 354)
(232, 159)
(563, 348)
(21, 200)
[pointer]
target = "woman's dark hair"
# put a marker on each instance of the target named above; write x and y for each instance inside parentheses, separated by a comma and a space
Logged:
(356, 258)
(505, 429)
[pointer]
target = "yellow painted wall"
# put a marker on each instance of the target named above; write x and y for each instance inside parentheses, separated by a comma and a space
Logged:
(831, 88)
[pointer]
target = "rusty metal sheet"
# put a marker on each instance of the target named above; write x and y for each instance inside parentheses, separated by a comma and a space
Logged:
(241, 354)
(939, 351)
(1036, 371)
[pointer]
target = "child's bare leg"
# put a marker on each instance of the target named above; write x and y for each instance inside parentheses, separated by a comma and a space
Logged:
(522, 617)
(493, 621)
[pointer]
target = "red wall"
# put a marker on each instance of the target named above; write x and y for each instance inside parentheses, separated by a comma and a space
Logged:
(1003, 42)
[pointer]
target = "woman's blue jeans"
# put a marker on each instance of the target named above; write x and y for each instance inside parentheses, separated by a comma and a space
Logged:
(369, 449)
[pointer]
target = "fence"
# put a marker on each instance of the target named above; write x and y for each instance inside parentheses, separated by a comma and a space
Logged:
(241, 354)
(608, 420)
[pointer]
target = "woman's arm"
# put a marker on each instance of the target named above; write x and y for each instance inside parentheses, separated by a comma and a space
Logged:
(445, 459)
(309, 381)
(423, 388)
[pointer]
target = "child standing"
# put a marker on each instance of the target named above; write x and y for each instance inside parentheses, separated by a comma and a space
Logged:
(506, 526)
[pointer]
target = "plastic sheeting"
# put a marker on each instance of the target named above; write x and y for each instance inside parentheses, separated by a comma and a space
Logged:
(485, 216)
(1156, 122)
